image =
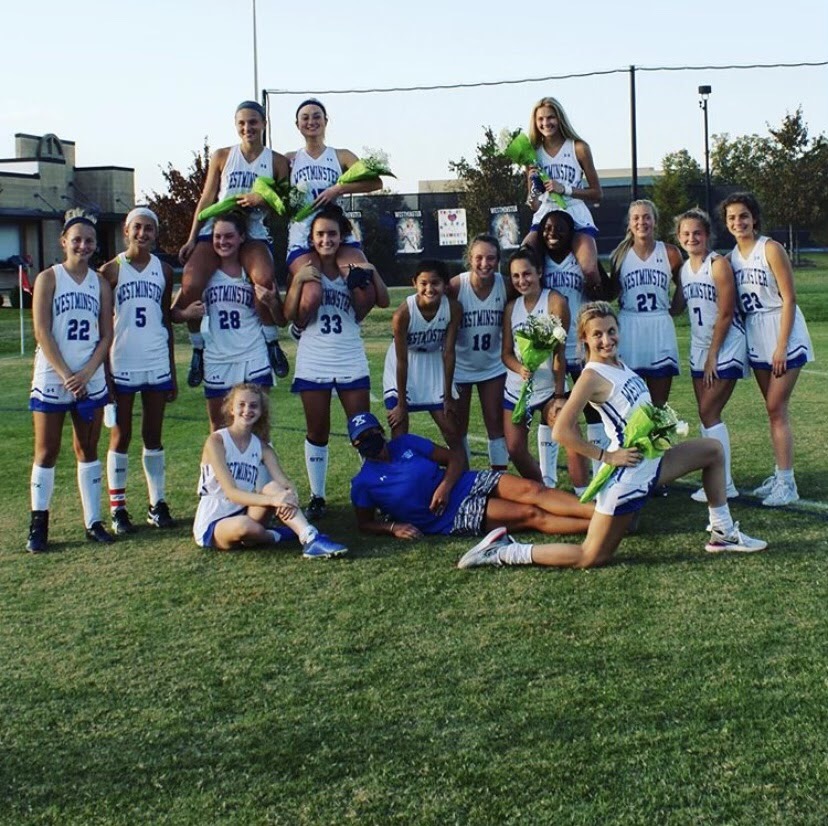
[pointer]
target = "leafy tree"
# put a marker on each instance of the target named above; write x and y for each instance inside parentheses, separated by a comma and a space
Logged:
(175, 208)
(489, 180)
(676, 190)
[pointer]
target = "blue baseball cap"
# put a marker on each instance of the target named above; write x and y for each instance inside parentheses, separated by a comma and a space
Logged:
(357, 425)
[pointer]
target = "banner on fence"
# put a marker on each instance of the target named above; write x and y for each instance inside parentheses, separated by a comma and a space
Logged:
(355, 217)
(409, 232)
(503, 224)
(451, 224)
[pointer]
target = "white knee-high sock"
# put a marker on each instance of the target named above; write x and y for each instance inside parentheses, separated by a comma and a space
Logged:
(316, 463)
(270, 332)
(597, 436)
(515, 553)
(89, 484)
(117, 466)
(547, 456)
(155, 474)
(498, 455)
(720, 434)
(42, 487)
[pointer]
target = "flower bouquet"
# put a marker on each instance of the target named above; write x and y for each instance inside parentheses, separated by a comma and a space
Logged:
(653, 430)
(519, 150)
(535, 342)
(370, 168)
(264, 186)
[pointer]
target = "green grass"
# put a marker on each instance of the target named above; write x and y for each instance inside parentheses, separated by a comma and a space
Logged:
(154, 682)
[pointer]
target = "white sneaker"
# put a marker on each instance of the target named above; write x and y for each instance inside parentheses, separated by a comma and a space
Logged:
(766, 487)
(701, 496)
(734, 540)
(485, 552)
(783, 493)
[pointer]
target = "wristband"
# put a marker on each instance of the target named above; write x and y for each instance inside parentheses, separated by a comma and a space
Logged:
(567, 189)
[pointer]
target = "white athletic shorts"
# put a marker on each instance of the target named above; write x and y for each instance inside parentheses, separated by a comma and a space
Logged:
(648, 343)
(763, 333)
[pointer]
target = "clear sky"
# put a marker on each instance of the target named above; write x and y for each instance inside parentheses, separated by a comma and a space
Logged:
(141, 84)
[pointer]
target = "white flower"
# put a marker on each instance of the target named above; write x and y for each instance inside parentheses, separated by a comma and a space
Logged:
(303, 187)
(375, 157)
(504, 138)
(682, 428)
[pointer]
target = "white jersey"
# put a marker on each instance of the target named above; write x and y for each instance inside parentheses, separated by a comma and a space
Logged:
(565, 168)
(237, 178)
(701, 296)
(567, 278)
(628, 486)
(543, 381)
(480, 335)
(645, 285)
(761, 302)
(331, 347)
(213, 504)
(426, 372)
(234, 331)
(318, 174)
(141, 338)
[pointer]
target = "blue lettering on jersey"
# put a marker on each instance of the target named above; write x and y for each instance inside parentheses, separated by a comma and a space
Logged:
(646, 277)
(751, 275)
(229, 294)
(425, 337)
(75, 301)
(695, 289)
(334, 298)
(560, 279)
(633, 388)
(241, 180)
(138, 289)
(482, 318)
(244, 472)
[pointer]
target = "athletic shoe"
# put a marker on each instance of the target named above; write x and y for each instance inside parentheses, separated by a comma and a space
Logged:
(121, 523)
(734, 540)
(98, 533)
(195, 375)
(295, 331)
(316, 509)
(766, 487)
(701, 496)
(38, 540)
(323, 547)
(359, 277)
(158, 515)
(783, 493)
(485, 552)
(277, 358)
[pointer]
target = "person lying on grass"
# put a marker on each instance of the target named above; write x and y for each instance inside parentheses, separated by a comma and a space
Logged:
(617, 393)
(423, 489)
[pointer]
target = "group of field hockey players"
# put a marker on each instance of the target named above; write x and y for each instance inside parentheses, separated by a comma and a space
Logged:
(105, 337)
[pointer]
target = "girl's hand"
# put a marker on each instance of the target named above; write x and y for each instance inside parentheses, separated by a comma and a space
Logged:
(286, 512)
(404, 530)
(186, 251)
(307, 273)
(439, 500)
(76, 385)
(710, 373)
(249, 200)
(779, 363)
(328, 195)
(525, 373)
(266, 296)
(397, 416)
(623, 457)
(192, 312)
(552, 409)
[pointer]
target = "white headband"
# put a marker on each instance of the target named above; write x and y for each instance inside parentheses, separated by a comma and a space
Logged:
(141, 212)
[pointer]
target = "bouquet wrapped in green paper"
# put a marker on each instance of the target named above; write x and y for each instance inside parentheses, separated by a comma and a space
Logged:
(369, 168)
(536, 342)
(519, 150)
(653, 430)
(263, 186)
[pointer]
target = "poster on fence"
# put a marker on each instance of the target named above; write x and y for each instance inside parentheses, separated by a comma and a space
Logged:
(409, 231)
(451, 224)
(355, 218)
(503, 224)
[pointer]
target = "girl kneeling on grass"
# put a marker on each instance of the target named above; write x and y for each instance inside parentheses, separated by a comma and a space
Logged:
(231, 513)
(617, 392)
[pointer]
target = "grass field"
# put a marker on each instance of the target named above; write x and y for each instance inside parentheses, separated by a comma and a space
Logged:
(153, 682)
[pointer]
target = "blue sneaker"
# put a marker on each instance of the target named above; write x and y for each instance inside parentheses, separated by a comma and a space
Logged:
(323, 547)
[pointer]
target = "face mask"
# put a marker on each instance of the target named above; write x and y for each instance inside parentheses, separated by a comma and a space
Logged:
(371, 446)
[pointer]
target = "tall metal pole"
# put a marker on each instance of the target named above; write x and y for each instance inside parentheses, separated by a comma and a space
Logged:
(705, 91)
(633, 136)
(255, 57)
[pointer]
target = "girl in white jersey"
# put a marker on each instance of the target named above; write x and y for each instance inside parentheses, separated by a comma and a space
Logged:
(549, 380)
(72, 315)
(235, 351)
(419, 365)
(231, 172)
(777, 337)
(482, 293)
(567, 161)
(231, 512)
(645, 268)
(616, 392)
(331, 353)
(718, 353)
(317, 167)
(141, 360)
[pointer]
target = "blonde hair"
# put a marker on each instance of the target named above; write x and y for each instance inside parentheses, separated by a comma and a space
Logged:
(565, 127)
(620, 252)
(588, 312)
(262, 426)
(694, 214)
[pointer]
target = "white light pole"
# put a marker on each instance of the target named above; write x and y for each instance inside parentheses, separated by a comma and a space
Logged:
(255, 57)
